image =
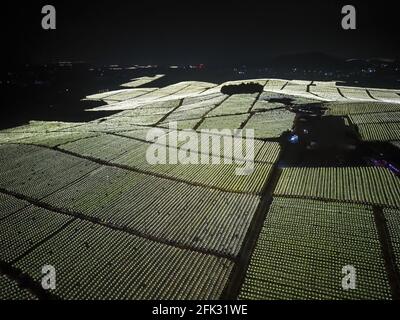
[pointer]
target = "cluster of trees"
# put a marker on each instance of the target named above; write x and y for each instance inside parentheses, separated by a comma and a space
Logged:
(249, 87)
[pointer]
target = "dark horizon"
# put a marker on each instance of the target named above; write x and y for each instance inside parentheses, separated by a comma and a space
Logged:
(119, 32)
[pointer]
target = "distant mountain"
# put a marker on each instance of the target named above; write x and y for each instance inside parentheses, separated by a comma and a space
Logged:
(322, 61)
(313, 60)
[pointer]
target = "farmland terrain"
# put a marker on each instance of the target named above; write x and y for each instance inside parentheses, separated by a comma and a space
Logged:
(324, 194)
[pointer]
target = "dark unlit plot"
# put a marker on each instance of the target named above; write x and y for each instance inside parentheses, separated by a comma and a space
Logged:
(10, 204)
(355, 94)
(395, 144)
(94, 262)
(105, 147)
(41, 173)
(305, 244)
(237, 103)
(10, 290)
(224, 122)
(23, 230)
(379, 131)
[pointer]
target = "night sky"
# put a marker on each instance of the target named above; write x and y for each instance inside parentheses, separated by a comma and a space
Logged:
(183, 32)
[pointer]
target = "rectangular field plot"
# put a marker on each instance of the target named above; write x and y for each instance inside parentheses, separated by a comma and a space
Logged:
(15, 137)
(41, 172)
(327, 92)
(9, 205)
(355, 94)
(382, 117)
(43, 127)
(108, 125)
(105, 147)
(53, 139)
(176, 212)
(224, 176)
(21, 231)
(102, 95)
(237, 103)
(389, 96)
(342, 109)
(224, 122)
(94, 262)
(127, 94)
(181, 124)
(219, 145)
(9, 290)
(262, 105)
(370, 185)
(298, 90)
(275, 85)
(379, 131)
(142, 81)
(392, 217)
(271, 124)
(203, 98)
(190, 112)
(303, 246)
(141, 133)
(144, 120)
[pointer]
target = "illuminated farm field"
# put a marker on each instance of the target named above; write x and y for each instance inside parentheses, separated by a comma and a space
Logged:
(323, 195)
